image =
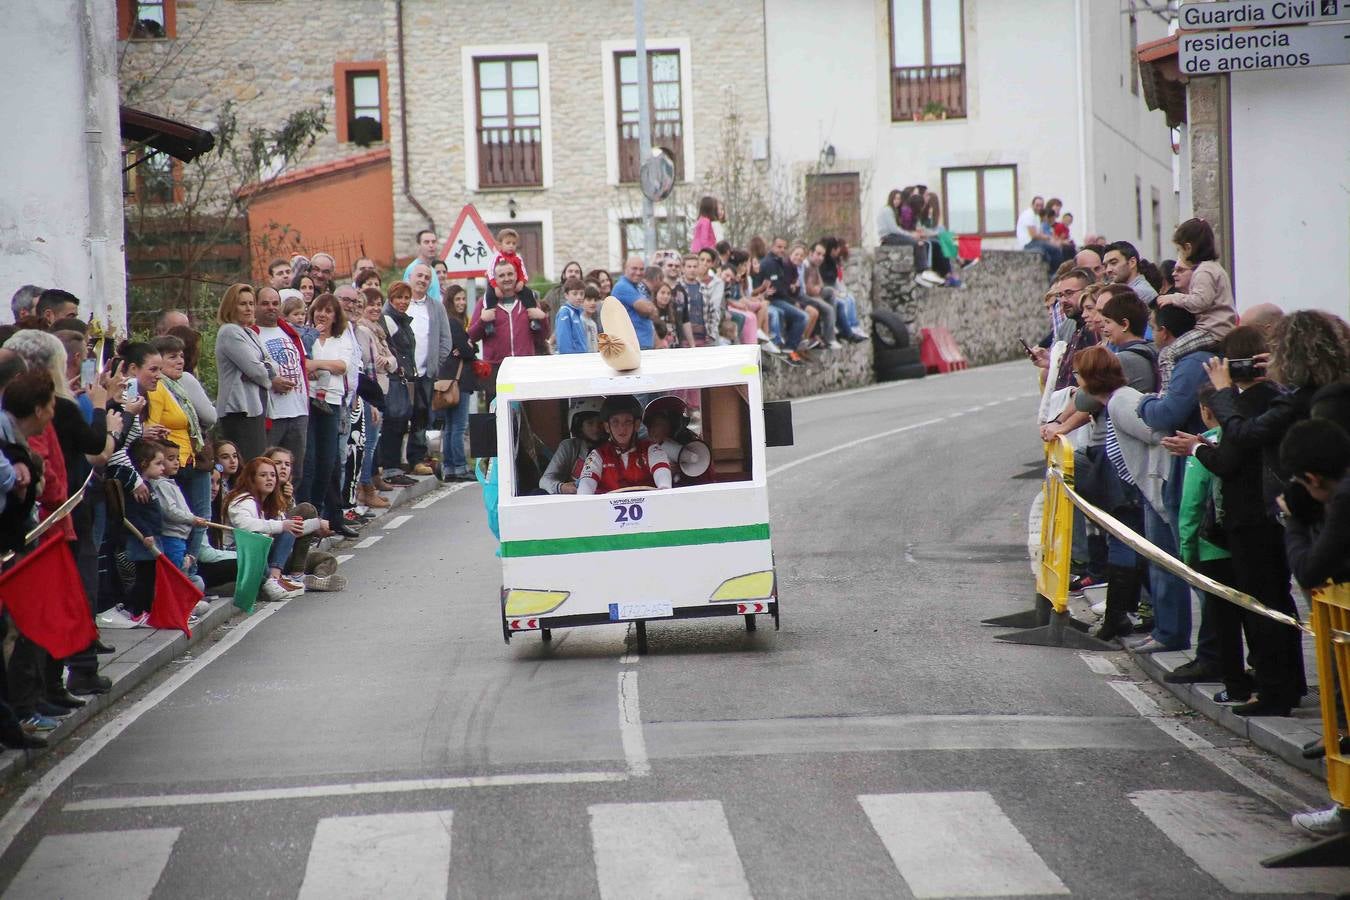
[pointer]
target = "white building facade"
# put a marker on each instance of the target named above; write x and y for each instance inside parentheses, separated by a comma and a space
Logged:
(988, 102)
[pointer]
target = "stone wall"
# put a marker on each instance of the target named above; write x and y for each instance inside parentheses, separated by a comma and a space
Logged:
(829, 370)
(1000, 301)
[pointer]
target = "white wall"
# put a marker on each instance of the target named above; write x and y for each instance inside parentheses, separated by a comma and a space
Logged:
(61, 210)
(1033, 100)
(1291, 188)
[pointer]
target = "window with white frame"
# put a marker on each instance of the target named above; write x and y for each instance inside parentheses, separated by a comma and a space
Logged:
(981, 200)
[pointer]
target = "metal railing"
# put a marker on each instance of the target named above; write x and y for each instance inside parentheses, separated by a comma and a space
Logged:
(510, 157)
(918, 92)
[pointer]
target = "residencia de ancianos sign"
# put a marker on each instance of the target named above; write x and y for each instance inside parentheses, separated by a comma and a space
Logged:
(1195, 16)
(1297, 47)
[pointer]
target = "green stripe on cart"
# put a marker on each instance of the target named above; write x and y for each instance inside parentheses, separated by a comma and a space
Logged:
(637, 540)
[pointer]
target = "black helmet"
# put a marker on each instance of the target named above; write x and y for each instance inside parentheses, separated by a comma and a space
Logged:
(621, 403)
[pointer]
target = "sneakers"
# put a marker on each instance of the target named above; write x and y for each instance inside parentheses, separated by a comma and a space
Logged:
(762, 337)
(39, 723)
(325, 583)
(273, 591)
(202, 608)
(1078, 582)
(929, 278)
(835, 345)
(1327, 822)
(120, 617)
(769, 347)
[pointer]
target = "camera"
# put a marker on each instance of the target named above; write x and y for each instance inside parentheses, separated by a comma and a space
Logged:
(1245, 369)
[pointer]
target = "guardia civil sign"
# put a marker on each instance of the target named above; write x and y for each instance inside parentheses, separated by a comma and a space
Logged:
(1260, 13)
(1299, 47)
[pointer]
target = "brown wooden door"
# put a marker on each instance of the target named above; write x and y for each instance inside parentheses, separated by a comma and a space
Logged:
(832, 206)
(531, 247)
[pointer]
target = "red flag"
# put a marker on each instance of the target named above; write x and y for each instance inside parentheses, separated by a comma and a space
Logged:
(175, 596)
(45, 597)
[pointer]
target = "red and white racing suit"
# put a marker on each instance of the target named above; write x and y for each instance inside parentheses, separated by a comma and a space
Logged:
(608, 468)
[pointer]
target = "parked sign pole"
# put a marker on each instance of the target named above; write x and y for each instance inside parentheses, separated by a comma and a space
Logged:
(644, 125)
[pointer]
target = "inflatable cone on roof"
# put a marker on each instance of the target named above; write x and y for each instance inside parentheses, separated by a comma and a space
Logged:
(619, 343)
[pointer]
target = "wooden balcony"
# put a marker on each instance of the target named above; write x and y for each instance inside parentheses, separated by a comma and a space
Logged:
(510, 157)
(917, 92)
(666, 135)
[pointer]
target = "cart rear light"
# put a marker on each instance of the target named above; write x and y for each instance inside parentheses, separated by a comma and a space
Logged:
(755, 586)
(533, 603)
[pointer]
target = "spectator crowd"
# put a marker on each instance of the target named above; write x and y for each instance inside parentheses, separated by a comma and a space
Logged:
(1224, 440)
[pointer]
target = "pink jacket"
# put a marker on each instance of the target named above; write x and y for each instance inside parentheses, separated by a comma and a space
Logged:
(511, 335)
(704, 238)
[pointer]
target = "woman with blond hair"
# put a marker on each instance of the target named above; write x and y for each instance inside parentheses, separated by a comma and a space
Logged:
(244, 373)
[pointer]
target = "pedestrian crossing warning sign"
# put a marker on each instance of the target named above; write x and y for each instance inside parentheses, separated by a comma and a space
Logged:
(469, 247)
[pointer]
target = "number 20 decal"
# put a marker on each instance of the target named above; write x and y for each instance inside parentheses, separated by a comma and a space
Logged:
(629, 513)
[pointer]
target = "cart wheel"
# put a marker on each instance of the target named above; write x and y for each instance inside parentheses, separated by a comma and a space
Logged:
(641, 637)
(506, 633)
(750, 622)
(776, 623)
(546, 634)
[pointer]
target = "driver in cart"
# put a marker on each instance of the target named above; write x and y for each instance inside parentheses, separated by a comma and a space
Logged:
(587, 430)
(625, 460)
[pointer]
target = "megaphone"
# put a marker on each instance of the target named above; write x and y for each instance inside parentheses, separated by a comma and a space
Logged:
(695, 459)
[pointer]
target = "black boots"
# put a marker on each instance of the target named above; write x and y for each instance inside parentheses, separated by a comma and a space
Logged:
(1122, 598)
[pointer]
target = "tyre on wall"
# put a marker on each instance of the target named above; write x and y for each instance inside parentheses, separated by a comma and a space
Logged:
(887, 358)
(900, 373)
(888, 330)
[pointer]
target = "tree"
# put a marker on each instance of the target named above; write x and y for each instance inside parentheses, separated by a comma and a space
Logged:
(760, 198)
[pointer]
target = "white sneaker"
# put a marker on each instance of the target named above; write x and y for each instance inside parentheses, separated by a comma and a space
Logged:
(117, 617)
(930, 278)
(202, 608)
(272, 591)
(761, 336)
(835, 345)
(1327, 822)
(770, 347)
(325, 583)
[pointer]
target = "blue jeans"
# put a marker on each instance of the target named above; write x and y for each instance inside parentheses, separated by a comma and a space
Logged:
(321, 456)
(846, 312)
(372, 446)
(196, 487)
(1052, 255)
(796, 322)
(1171, 596)
(453, 461)
(775, 325)
(282, 545)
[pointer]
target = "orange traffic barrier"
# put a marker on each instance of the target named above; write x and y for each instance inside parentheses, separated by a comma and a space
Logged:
(938, 351)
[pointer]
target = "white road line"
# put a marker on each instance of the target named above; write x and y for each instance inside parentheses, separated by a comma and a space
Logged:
(92, 865)
(680, 849)
(630, 725)
(629, 659)
(396, 522)
(850, 445)
(957, 844)
(1227, 835)
(1099, 664)
(1217, 757)
(33, 798)
(343, 557)
(357, 789)
(368, 542)
(442, 494)
(398, 855)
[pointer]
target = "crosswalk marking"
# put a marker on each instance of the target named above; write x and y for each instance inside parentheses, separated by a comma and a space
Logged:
(399, 855)
(368, 542)
(95, 865)
(1228, 835)
(957, 844)
(396, 522)
(656, 850)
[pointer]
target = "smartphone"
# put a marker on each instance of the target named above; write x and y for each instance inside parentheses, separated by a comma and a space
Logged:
(1245, 369)
(88, 371)
(1026, 348)
(133, 391)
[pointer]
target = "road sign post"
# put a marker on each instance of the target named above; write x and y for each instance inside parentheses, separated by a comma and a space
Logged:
(1298, 47)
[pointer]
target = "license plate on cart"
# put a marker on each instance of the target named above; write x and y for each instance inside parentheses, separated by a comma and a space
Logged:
(623, 612)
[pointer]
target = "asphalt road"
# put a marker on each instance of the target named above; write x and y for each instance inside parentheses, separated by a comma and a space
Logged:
(384, 741)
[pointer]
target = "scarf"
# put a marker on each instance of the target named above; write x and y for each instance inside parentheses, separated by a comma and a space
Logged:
(1191, 341)
(194, 425)
(1113, 452)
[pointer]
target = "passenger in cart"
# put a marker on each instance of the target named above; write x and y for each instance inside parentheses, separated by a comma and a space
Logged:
(624, 461)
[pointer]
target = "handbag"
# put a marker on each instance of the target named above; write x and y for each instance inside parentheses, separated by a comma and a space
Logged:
(445, 392)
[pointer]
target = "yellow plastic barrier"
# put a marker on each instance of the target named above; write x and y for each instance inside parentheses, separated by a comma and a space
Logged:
(1331, 622)
(1052, 576)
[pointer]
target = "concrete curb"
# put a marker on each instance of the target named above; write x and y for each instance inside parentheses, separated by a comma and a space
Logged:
(141, 652)
(1279, 735)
